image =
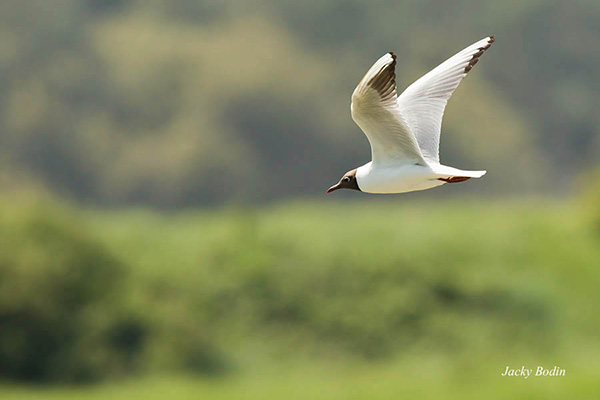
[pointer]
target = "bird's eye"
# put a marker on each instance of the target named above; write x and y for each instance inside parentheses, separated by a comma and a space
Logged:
(346, 179)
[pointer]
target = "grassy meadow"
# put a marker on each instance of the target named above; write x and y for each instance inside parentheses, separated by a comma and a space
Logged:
(299, 300)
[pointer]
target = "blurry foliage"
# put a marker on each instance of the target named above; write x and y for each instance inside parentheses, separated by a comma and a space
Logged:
(307, 282)
(88, 295)
(589, 198)
(53, 278)
(64, 306)
(183, 103)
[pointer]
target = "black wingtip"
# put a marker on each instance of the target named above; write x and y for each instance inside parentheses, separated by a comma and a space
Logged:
(393, 64)
(384, 82)
(481, 50)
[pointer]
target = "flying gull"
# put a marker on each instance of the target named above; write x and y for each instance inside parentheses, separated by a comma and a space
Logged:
(404, 131)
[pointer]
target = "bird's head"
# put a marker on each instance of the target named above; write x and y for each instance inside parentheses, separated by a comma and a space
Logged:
(348, 181)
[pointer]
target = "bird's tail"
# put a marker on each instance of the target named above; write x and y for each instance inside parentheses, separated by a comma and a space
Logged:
(454, 175)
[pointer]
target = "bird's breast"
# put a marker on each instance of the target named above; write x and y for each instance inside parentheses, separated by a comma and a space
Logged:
(395, 179)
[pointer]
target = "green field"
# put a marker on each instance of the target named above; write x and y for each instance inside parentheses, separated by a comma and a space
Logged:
(303, 300)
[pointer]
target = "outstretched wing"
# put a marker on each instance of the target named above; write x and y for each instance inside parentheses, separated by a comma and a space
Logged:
(422, 104)
(375, 110)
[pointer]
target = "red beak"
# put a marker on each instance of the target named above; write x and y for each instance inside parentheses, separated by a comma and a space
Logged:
(334, 187)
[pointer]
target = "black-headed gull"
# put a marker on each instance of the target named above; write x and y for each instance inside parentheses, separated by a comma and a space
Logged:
(404, 131)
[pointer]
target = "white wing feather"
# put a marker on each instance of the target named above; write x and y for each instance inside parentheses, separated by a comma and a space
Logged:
(422, 104)
(376, 111)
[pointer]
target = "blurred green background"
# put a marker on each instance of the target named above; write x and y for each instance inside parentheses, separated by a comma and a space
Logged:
(164, 231)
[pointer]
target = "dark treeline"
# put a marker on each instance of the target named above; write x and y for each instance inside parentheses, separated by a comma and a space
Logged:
(186, 103)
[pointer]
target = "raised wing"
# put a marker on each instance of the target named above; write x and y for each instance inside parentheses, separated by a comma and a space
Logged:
(375, 110)
(422, 104)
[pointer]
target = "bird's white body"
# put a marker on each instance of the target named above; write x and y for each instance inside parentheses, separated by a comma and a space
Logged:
(404, 131)
(396, 179)
(406, 178)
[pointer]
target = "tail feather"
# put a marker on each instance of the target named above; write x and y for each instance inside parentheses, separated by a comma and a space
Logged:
(452, 175)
